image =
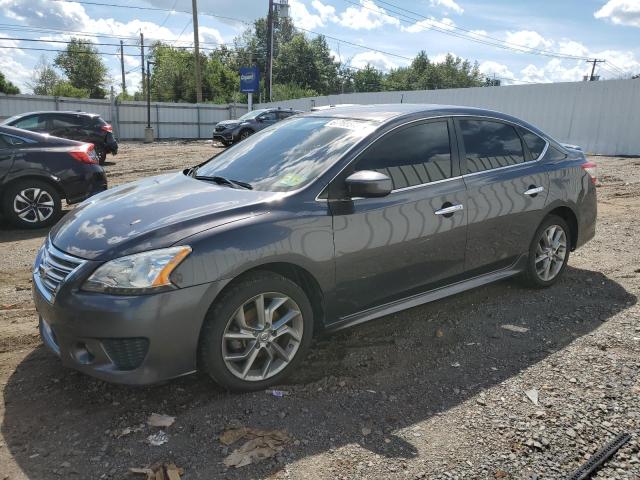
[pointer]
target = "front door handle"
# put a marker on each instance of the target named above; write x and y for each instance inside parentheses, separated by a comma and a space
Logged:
(449, 210)
(533, 191)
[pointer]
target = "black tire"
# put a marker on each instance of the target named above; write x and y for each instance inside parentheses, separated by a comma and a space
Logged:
(101, 153)
(244, 134)
(531, 277)
(210, 350)
(21, 192)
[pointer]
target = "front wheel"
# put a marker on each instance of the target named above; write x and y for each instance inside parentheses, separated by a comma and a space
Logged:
(244, 134)
(256, 333)
(548, 253)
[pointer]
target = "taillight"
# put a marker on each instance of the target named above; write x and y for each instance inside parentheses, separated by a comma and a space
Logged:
(106, 128)
(84, 153)
(592, 170)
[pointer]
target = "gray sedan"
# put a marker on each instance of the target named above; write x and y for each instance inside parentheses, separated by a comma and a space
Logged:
(327, 220)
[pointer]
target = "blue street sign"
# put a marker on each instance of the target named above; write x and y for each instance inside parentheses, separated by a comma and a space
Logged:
(249, 80)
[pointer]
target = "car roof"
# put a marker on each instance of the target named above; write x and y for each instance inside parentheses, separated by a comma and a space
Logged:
(63, 112)
(385, 112)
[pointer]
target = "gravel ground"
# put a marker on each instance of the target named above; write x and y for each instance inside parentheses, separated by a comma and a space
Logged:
(437, 391)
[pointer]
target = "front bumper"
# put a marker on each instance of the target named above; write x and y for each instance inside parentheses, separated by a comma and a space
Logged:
(137, 340)
(225, 136)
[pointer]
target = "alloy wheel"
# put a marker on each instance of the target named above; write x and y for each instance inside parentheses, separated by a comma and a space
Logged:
(262, 336)
(33, 205)
(551, 252)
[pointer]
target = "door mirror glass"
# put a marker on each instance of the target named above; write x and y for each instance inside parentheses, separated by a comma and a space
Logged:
(368, 184)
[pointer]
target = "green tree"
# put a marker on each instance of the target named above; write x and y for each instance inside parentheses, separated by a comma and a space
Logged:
(7, 87)
(45, 78)
(291, 90)
(83, 67)
(65, 89)
(368, 79)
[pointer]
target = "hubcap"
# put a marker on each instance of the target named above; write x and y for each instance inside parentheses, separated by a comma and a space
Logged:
(33, 205)
(262, 337)
(551, 252)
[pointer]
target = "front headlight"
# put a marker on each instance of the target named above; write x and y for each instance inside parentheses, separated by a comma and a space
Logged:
(145, 272)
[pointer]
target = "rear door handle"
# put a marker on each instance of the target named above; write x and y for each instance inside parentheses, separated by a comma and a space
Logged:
(534, 191)
(449, 210)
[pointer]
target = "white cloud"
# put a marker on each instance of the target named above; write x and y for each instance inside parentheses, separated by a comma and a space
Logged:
(570, 47)
(448, 4)
(366, 17)
(501, 71)
(15, 72)
(208, 34)
(375, 59)
(528, 38)
(426, 24)
(621, 12)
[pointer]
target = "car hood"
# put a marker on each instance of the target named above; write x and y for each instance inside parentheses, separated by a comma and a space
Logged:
(228, 123)
(152, 213)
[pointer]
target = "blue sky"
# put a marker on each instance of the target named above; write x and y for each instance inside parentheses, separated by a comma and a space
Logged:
(608, 29)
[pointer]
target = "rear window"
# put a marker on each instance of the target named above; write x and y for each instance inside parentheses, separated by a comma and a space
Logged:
(535, 144)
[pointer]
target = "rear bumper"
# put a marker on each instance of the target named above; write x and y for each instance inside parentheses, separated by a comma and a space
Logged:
(84, 184)
(588, 213)
(136, 340)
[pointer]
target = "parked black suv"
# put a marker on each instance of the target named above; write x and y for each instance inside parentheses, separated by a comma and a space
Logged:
(38, 171)
(80, 126)
(230, 131)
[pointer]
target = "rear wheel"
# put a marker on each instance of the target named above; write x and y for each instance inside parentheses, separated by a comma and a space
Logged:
(32, 204)
(257, 332)
(548, 253)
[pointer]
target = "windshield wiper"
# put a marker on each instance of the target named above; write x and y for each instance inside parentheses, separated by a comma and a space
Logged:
(225, 181)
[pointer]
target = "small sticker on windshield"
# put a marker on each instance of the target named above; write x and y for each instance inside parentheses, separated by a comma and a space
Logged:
(345, 123)
(292, 179)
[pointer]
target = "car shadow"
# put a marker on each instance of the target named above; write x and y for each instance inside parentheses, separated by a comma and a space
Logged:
(364, 386)
(10, 233)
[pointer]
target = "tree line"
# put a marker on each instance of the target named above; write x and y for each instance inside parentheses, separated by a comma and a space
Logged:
(302, 67)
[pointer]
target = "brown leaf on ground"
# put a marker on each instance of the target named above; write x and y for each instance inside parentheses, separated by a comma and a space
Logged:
(159, 471)
(9, 306)
(260, 444)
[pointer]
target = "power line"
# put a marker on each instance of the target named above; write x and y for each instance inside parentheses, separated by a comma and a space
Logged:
(447, 29)
(155, 9)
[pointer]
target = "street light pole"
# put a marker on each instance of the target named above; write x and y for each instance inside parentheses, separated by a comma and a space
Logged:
(148, 132)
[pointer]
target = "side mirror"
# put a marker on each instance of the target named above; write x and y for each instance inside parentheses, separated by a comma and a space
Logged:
(260, 119)
(368, 184)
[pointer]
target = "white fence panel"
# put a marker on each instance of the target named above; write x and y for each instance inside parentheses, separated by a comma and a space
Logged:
(129, 119)
(603, 117)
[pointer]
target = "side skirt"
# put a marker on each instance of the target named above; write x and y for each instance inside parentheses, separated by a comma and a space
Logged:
(421, 298)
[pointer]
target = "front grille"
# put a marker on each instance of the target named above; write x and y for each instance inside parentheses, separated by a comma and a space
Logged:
(53, 268)
(126, 353)
(220, 128)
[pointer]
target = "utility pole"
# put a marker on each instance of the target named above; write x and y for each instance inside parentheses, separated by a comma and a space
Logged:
(196, 45)
(269, 68)
(124, 85)
(593, 68)
(144, 88)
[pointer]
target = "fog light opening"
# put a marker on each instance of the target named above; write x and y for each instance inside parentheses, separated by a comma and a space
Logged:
(83, 354)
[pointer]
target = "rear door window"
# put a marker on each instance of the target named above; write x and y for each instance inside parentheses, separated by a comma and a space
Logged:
(489, 144)
(411, 156)
(66, 121)
(268, 117)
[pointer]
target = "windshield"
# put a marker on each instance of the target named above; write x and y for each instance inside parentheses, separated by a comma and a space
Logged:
(289, 154)
(251, 114)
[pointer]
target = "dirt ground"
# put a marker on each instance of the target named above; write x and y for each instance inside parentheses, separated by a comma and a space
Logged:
(434, 392)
